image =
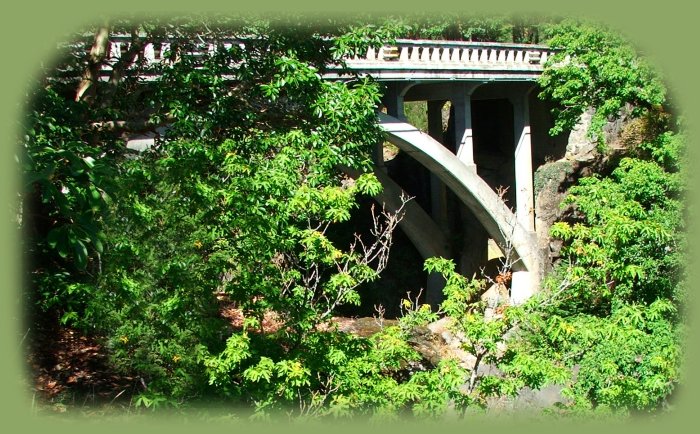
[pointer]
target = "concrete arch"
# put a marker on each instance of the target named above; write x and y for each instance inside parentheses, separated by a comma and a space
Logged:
(499, 221)
(426, 236)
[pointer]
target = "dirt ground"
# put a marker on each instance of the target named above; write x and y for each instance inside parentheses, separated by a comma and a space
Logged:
(69, 369)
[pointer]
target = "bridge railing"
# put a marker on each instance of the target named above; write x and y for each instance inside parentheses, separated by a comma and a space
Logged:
(450, 54)
(155, 52)
(404, 55)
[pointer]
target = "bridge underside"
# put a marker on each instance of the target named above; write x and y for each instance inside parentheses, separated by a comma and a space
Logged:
(478, 164)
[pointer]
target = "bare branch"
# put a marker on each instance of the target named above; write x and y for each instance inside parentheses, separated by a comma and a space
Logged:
(375, 255)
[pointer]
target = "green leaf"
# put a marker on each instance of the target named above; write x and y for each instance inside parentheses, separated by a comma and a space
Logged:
(81, 253)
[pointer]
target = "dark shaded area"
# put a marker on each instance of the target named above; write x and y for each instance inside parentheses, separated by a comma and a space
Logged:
(544, 146)
(69, 367)
(494, 144)
(412, 177)
(404, 271)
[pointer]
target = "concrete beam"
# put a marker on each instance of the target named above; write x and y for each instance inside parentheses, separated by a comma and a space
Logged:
(435, 91)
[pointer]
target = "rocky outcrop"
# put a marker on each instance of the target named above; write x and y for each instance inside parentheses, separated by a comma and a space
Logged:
(580, 147)
(551, 181)
(582, 158)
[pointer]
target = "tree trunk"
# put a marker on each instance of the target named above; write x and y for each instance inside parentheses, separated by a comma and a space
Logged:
(86, 90)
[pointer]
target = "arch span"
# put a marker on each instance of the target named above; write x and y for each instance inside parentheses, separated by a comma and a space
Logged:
(498, 220)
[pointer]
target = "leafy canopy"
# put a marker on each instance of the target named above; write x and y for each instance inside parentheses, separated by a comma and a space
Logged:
(596, 68)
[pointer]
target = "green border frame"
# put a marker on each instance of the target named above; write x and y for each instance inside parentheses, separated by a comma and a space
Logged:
(665, 31)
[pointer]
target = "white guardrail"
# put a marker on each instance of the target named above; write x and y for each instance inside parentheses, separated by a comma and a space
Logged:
(453, 53)
(409, 56)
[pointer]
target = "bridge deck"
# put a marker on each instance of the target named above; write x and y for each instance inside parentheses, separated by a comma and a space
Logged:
(452, 60)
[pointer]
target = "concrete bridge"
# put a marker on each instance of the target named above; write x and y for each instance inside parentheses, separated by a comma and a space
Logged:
(464, 74)
(469, 157)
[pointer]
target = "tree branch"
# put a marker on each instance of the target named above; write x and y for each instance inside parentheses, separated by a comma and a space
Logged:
(98, 53)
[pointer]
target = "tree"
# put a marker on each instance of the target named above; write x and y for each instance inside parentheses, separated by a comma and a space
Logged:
(233, 201)
(596, 68)
(613, 308)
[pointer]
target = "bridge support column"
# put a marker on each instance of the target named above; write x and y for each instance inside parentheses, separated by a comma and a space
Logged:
(438, 202)
(524, 283)
(523, 286)
(463, 125)
(394, 98)
(524, 194)
(378, 156)
(438, 191)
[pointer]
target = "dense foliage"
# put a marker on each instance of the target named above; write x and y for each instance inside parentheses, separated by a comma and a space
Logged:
(613, 310)
(478, 28)
(596, 68)
(617, 299)
(229, 213)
